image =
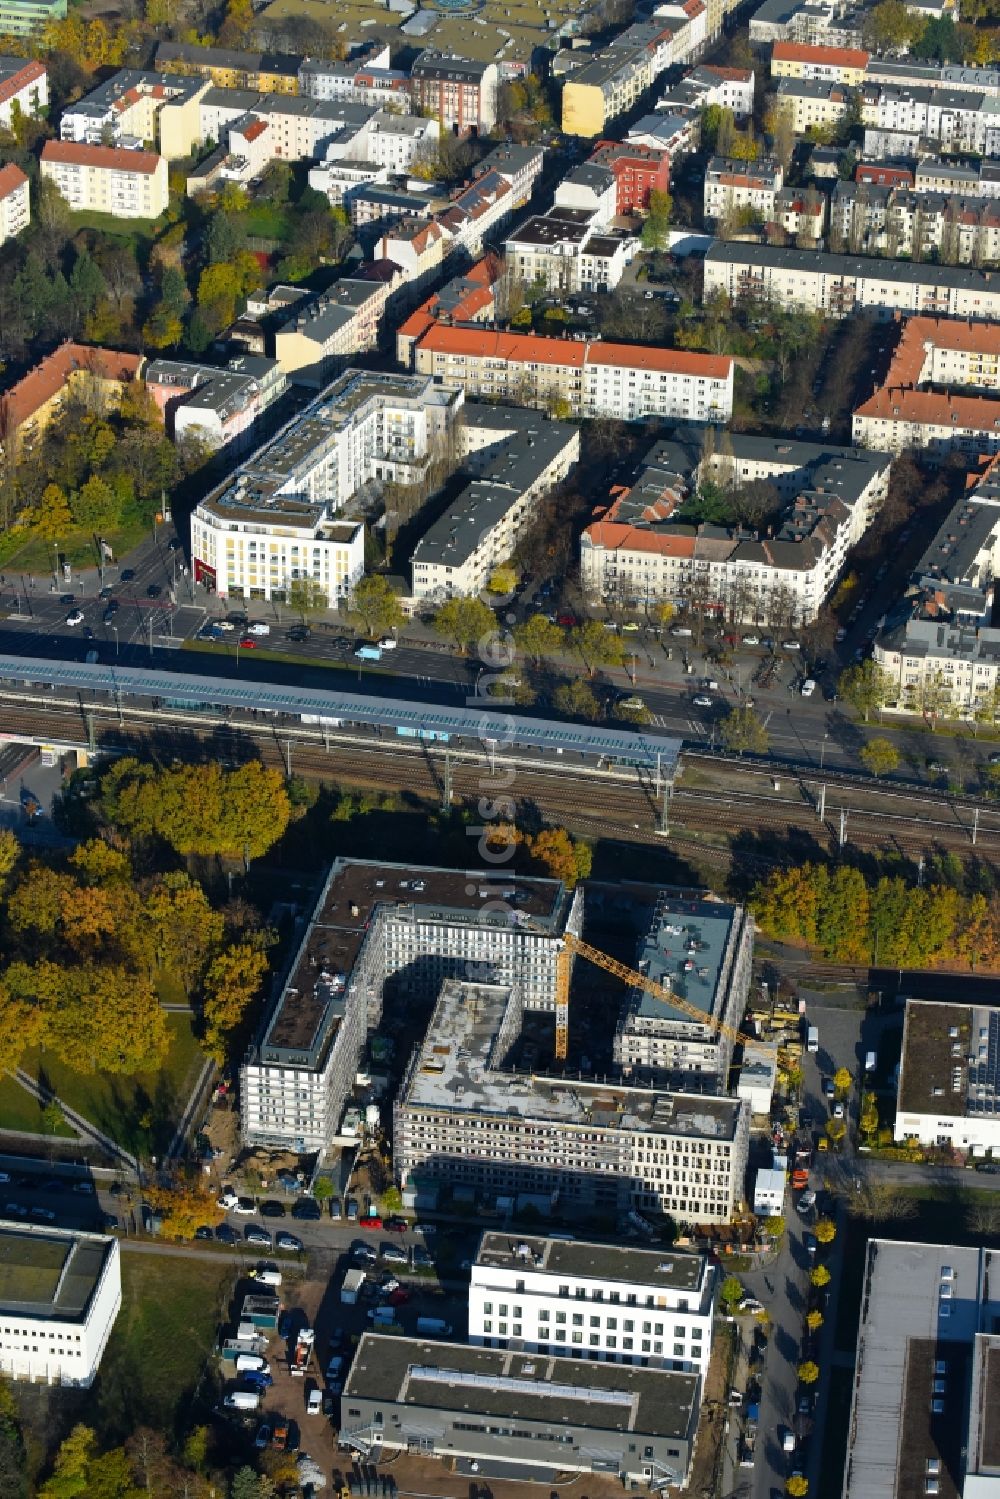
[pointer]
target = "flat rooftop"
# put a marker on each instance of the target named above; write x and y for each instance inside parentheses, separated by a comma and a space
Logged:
(950, 1061)
(312, 1002)
(580, 1259)
(49, 1273)
(456, 1067)
(495, 1381)
(684, 949)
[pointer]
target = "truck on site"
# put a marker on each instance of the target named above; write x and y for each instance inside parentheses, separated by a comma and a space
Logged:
(368, 653)
(800, 1167)
(351, 1288)
(302, 1353)
(433, 1327)
(812, 1038)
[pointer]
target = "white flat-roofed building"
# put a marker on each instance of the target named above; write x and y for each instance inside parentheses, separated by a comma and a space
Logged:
(462, 1119)
(758, 1076)
(613, 1303)
(60, 1292)
(927, 1375)
(949, 1076)
(769, 1191)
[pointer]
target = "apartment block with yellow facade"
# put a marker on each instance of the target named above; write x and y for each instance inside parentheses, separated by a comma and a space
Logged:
(97, 375)
(846, 65)
(127, 108)
(104, 179)
(264, 72)
(812, 102)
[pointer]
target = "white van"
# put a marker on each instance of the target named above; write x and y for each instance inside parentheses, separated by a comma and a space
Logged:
(808, 687)
(242, 1400)
(314, 1404)
(267, 1277)
(247, 1361)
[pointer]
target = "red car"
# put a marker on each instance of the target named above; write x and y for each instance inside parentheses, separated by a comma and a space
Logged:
(374, 1222)
(399, 1298)
(248, 643)
(396, 1225)
(566, 620)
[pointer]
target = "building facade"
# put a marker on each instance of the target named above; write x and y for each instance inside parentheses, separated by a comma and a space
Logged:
(734, 185)
(637, 1307)
(24, 85)
(57, 1334)
(15, 202)
(106, 179)
(459, 93)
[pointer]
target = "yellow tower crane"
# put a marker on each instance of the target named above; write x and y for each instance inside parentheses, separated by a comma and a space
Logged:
(575, 946)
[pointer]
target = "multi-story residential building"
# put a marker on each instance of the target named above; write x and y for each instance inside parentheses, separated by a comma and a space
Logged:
(363, 79)
(702, 951)
(568, 251)
(813, 103)
(883, 174)
(907, 71)
(972, 179)
(610, 84)
(462, 1119)
(828, 64)
(626, 381)
(15, 202)
(462, 94)
(274, 521)
(948, 1092)
(27, 17)
(637, 171)
(97, 376)
(954, 119)
(642, 550)
(468, 298)
(799, 217)
(732, 185)
(106, 179)
(926, 1374)
(62, 1293)
(637, 1307)
(590, 188)
(840, 284)
(483, 1406)
(218, 406)
(125, 108)
(916, 405)
(730, 88)
(818, 23)
(261, 72)
(519, 457)
(24, 84)
(388, 929)
(939, 646)
(323, 334)
(921, 225)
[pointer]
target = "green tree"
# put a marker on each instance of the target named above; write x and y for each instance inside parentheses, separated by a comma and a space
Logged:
(879, 756)
(466, 621)
(825, 1230)
(868, 1120)
(657, 224)
(742, 729)
(69, 1471)
(377, 606)
(597, 646)
(774, 1227)
(889, 26)
(576, 700)
(322, 1189)
(808, 1372)
(307, 596)
(867, 687)
(731, 1292)
(539, 637)
(819, 1276)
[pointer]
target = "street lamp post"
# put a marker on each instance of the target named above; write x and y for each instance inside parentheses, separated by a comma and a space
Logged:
(822, 750)
(55, 565)
(115, 628)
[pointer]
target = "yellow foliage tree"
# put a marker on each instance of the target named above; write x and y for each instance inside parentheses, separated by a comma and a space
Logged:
(184, 1207)
(232, 983)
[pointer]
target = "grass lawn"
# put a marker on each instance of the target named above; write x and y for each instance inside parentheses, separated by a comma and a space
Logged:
(109, 224)
(30, 554)
(140, 1112)
(19, 1111)
(266, 221)
(156, 1357)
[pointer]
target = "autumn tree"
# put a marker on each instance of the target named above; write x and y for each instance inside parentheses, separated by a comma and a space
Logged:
(307, 596)
(182, 929)
(842, 1081)
(825, 1230)
(808, 1372)
(96, 1017)
(376, 605)
(814, 1320)
(731, 1292)
(597, 646)
(742, 729)
(184, 1206)
(819, 1276)
(796, 1486)
(231, 984)
(774, 1227)
(560, 856)
(867, 687)
(879, 756)
(465, 621)
(539, 638)
(199, 809)
(836, 1129)
(576, 700)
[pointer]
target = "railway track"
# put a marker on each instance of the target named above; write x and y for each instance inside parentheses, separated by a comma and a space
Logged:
(618, 805)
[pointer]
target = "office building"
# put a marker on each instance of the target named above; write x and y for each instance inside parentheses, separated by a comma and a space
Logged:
(927, 1375)
(840, 285)
(519, 456)
(949, 1090)
(276, 519)
(702, 951)
(107, 179)
(462, 1119)
(535, 1417)
(380, 927)
(60, 1292)
(614, 1303)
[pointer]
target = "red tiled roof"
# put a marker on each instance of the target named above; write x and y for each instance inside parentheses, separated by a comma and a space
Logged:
(255, 131)
(616, 534)
(834, 57)
(24, 77)
(73, 153)
(11, 178)
(933, 408)
(516, 348)
(38, 387)
(667, 361)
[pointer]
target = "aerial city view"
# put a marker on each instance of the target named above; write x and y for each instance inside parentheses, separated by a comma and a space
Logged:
(499, 749)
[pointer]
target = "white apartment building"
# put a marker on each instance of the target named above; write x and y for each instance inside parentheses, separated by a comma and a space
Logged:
(275, 521)
(395, 931)
(125, 109)
(612, 1303)
(523, 457)
(641, 552)
(106, 179)
(566, 251)
(949, 1085)
(23, 82)
(462, 1120)
(62, 1293)
(733, 185)
(702, 951)
(842, 284)
(15, 202)
(954, 119)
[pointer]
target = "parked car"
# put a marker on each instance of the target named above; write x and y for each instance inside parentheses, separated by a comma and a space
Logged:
(307, 1208)
(371, 1222)
(259, 628)
(314, 1403)
(75, 617)
(254, 1235)
(289, 1243)
(226, 1234)
(263, 1438)
(336, 1209)
(393, 1255)
(751, 640)
(702, 700)
(153, 591)
(272, 1208)
(790, 645)
(242, 1207)
(808, 687)
(396, 1225)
